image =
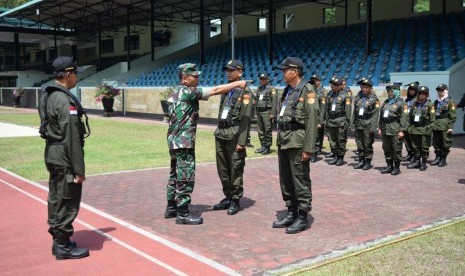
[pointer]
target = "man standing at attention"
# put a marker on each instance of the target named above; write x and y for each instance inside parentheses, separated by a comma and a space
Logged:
(181, 141)
(63, 130)
(265, 110)
(297, 133)
(230, 139)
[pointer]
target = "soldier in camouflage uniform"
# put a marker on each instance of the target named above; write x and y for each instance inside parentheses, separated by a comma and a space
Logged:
(321, 92)
(64, 131)
(421, 121)
(297, 132)
(443, 126)
(266, 96)
(365, 123)
(230, 139)
(184, 109)
(392, 124)
(337, 117)
(412, 93)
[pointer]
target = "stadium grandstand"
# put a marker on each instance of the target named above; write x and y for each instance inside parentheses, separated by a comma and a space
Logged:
(138, 45)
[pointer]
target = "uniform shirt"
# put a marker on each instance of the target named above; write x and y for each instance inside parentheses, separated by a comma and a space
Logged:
(265, 98)
(393, 117)
(234, 115)
(305, 105)
(338, 109)
(321, 93)
(366, 111)
(64, 130)
(445, 114)
(421, 118)
(184, 116)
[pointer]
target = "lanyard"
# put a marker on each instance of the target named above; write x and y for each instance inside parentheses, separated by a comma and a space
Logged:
(229, 96)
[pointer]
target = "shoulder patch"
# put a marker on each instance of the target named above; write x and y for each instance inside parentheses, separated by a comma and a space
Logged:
(323, 100)
(405, 108)
(273, 91)
(311, 98)
(301, 99)
(452, 106)
(73, 110)
(432, 110)
(377, 104)
(347, 101)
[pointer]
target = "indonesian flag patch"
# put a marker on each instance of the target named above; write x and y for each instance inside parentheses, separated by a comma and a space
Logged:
(72, 110)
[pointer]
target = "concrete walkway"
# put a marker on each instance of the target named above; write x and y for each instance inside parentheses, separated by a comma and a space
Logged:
(11, 130)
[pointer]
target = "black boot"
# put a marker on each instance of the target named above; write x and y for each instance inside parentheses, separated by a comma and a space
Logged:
(413, 159)
(330, 155)
(340, 160)
(408, 157)
(442, 162)
(184, 217)
(396, 169)
(314, 158)
(223, 205)
(259, 150)
(436, 160)
(248, 144)
(388, 168)
(55, 245)
(360, 163)
(333, 161)
(367, 165)
(266, 151)
(357, 155)
(288, 219)
(423, 164)
(66, 250)
(234, 207)
(299, 225)
(171, 209)
(415, 164)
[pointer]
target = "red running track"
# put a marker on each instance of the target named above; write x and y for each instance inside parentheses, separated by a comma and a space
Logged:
(116, 248)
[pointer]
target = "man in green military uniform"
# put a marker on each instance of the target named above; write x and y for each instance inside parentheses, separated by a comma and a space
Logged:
(64, 132)
(184, 113)
(412, 93)
(337, 117)
(443, 126)
(365, 123)
(356, 98)
(321, 92)
(266, 95)
(297, 132)
(421, 120)
(392, 124)
(230, 139)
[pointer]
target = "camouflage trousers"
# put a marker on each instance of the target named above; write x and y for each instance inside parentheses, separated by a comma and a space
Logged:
(64, 199)
(442, 141)
(182, 176)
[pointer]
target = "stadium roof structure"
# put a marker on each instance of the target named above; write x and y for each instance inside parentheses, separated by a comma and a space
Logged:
(85, 16)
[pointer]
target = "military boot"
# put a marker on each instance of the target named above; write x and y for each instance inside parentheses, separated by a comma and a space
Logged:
(413, 159)
(55, 245)
(184, 217)
(340, 160)
(266, 151)
(333, 161)
(234, 207)
(388, 168)
(408, 157)
(223, 205)
(330, 155)
(415, 164)
(357, 155)
(288, 219)
(171, 209)
(396, 169)
(259, 150)
(314, 158)
(367, 165)
(436, 160)
(442, 162)
(299, 225)
(66, 250)
(423, 164)
(360, 163)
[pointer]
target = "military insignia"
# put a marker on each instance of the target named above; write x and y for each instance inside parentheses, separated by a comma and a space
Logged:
(246, 100)
(432, 110)
(348, 101)
(323, 100)
(230, 62)
(301, 99)
(405, 108)
(339, 99)
(311, 98)
(377, 104)
(246, 96)
(349, 93)
(273, 91)
(452, 106)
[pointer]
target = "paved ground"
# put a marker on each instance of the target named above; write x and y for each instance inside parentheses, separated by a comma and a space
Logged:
(10, 130)
(350, 207)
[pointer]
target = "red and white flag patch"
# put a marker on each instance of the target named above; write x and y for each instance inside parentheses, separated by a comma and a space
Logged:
(72, 110)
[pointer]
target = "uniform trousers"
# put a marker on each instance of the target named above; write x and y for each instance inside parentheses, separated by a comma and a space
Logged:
(294, 179)
(264, 128)
(366, 140)
(338, 139)
(442, 141)
(64, 199)
(230, 166)
(182, 176)
(420, 145)
(392, 148)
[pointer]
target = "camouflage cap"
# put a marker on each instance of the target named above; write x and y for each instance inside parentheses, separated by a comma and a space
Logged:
(189, 69)
(441, 87)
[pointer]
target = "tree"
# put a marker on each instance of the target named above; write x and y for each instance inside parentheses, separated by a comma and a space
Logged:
(9, 4)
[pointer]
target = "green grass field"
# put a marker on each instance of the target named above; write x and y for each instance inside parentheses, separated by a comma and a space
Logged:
(115, 146)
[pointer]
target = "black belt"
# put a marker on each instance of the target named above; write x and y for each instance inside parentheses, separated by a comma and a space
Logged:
(290, 126)
(227, 124)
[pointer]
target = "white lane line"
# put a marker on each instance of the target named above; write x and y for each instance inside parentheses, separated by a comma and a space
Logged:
(118, 241)
(143, 232)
